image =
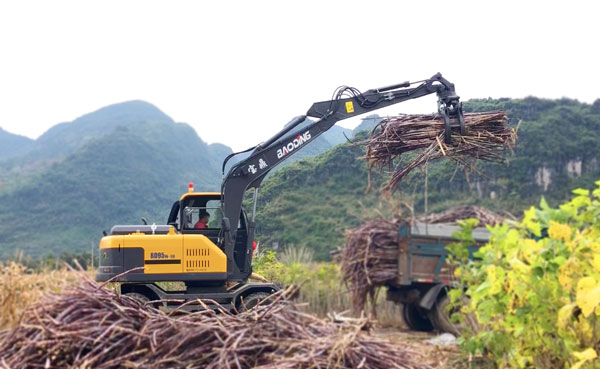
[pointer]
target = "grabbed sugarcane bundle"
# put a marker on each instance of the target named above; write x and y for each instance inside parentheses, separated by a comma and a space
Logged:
(486, 137)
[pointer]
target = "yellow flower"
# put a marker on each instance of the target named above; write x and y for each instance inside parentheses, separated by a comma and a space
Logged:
(565, 281)
(491, 273)
(559, 231)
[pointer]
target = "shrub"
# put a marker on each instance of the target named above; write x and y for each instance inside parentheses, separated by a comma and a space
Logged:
(535, 288)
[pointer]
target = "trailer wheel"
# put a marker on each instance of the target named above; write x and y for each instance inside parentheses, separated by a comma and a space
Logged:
(249, 301)
(415, 318)
(440, 317)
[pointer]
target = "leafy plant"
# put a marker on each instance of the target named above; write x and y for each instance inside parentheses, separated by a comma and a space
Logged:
(535, 288)
(266, 264)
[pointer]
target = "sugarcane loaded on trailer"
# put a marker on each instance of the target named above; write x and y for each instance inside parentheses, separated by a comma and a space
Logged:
(208, 257)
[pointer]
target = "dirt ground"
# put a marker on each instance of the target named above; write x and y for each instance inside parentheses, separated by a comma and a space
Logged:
(438, 357)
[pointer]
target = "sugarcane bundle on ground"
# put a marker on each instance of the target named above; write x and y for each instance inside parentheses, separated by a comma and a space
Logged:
(370, 258)
(487, 136)
(89, 326)
(485, 216)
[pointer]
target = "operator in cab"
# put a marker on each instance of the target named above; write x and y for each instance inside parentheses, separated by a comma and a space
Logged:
(202, 222)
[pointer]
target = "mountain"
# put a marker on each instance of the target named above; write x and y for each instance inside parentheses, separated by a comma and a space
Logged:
(13, 145)
(131, 160)
(65, 138)
(311, 203)
(368, 123)
(557, 149)
(111, 166)
(337, 135)
(326, 141)
(118, 171)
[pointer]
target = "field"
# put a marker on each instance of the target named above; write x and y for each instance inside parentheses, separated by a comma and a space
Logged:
(533, 292)
(321, 294)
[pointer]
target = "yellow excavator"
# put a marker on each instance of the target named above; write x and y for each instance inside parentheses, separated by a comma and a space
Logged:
(208, 240)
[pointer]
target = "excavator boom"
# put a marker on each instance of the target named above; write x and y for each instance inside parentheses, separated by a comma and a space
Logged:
(348, 102)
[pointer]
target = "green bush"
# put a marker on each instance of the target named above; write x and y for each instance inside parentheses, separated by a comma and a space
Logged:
(535, 288)
(319, 282)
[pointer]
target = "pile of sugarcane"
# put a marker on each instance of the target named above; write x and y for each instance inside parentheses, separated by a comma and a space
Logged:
(485, 216)
(89, 326)
(370, 259)
(487, 136)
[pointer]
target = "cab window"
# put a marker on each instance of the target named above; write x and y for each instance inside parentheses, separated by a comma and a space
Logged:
(203, 216)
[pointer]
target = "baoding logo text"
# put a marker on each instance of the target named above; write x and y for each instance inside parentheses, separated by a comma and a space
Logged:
(291, 146)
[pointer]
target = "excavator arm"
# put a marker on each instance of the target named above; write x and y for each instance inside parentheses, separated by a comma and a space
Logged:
(347, 102)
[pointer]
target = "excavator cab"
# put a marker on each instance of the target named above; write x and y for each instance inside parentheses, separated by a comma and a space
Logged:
(138, 256)
(185, 215)
(190, 209)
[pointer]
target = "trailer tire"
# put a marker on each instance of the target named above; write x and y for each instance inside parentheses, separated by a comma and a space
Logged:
(415, 318)
(440, 316)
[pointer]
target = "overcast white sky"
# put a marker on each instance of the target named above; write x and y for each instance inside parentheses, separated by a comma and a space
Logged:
(238, 70)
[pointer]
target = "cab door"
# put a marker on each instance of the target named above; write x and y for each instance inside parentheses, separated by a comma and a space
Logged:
(201, 251)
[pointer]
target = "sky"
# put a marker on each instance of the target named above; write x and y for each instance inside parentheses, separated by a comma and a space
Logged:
(237, 71)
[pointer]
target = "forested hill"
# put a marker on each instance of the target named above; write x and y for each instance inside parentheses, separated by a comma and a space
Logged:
(13, 145)
(130, 160)
(312, 202)
(112, 166)
(115, 165)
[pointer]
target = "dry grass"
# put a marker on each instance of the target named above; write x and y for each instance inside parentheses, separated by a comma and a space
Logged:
(438, 357)
(20, 287)
(296, 255)
(322, 292)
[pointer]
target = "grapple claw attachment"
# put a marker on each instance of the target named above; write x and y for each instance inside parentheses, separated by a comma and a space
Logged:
(448, 110)
(447, 127)
(461, 119)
